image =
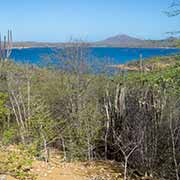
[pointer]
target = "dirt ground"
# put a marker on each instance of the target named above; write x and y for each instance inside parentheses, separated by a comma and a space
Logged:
(56, 170)
(77, 171)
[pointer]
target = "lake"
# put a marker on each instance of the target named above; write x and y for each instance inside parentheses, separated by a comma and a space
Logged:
(115, 55)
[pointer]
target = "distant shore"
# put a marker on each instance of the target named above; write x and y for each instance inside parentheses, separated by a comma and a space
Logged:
(29, 47)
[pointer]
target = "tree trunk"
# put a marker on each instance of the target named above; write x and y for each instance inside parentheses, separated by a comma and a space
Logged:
(125, 167)
(46, 153)
(64, 149)
(174, 148)
(107, 131)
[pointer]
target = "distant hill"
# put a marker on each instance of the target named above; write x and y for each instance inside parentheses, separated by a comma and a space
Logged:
(128, 41)
(121, 40)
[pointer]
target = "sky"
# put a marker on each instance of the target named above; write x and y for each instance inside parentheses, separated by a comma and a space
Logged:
(88, 20)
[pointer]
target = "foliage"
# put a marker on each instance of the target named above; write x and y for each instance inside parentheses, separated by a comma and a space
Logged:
(91, 117)
(3, 108)
(8, 136)
(16, 162)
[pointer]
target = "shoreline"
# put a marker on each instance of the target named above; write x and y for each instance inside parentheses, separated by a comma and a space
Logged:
(30, 47)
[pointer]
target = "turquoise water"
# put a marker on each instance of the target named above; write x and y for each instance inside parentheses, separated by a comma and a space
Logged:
(39, 56)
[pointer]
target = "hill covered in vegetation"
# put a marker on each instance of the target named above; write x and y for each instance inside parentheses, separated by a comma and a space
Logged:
(131, 117)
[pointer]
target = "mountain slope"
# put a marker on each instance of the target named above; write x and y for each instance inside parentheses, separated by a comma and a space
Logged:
(128, 41)
(122, 39)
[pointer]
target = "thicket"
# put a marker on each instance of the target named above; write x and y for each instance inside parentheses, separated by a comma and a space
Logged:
(130, 117)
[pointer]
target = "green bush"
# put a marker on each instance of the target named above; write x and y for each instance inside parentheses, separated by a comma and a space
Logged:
(8, 136)
(16, 162)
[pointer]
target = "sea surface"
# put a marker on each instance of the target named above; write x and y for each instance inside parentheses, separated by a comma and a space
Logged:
(40, 56)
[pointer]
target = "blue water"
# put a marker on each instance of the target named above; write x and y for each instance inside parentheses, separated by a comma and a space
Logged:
(41, 56)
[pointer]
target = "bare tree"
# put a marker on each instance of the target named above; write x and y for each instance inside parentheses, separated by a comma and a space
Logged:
(128, 139)
(107, 105)
(124, 134)
(173, 132)
(19, 86)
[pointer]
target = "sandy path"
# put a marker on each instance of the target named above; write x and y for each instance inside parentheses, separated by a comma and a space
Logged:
(66, 171)
(61, 174)
(74, 171)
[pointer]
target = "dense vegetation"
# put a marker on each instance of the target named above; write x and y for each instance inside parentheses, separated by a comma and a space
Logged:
(130, 117)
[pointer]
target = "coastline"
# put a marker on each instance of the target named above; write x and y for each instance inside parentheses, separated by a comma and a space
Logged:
(30, 47)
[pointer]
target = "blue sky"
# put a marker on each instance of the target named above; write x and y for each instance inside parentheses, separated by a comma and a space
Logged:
(58, 20)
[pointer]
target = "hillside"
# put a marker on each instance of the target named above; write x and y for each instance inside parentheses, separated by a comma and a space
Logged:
(57, 169)
(128, 41)
(126, 118)
(121, 40)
